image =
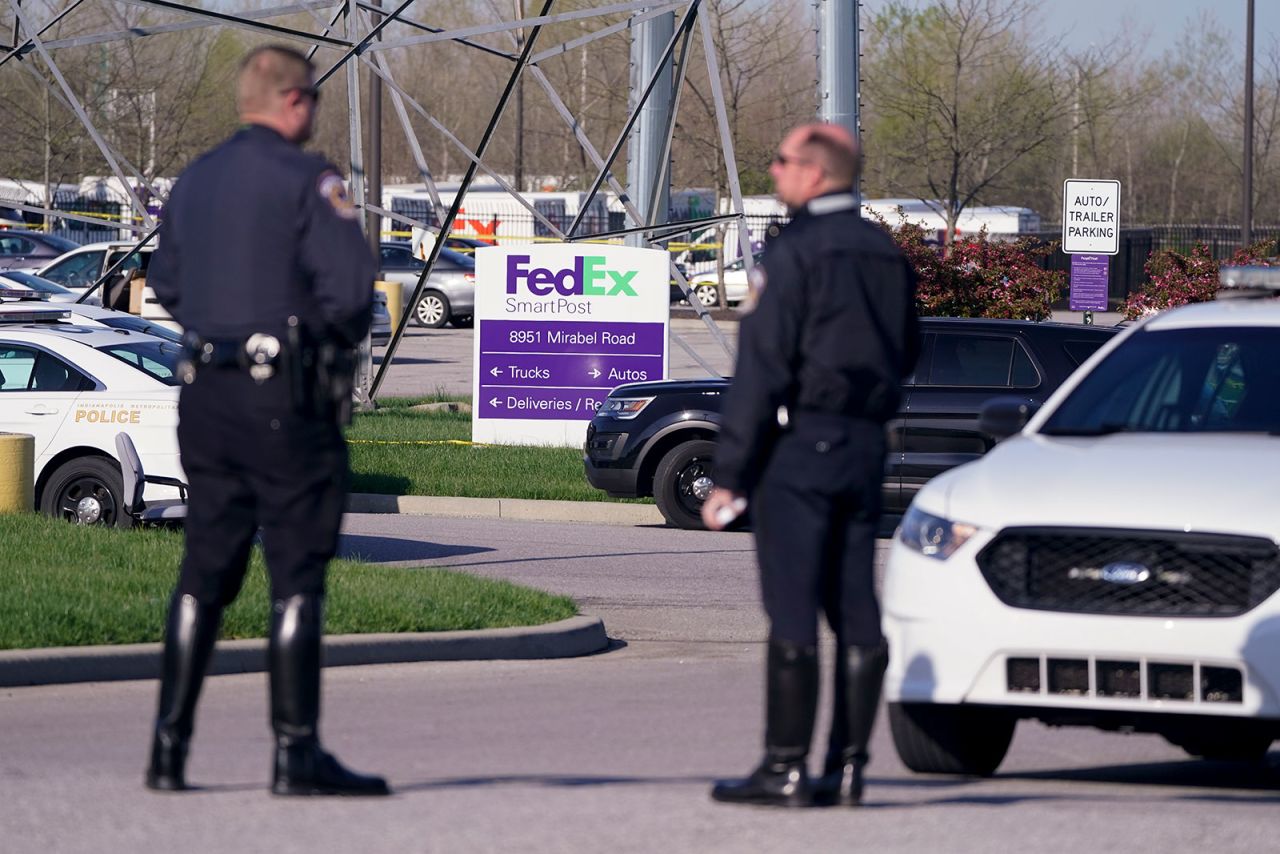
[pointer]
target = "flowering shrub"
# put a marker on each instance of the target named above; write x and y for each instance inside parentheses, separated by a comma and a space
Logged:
(1177, 279)
(982, 277)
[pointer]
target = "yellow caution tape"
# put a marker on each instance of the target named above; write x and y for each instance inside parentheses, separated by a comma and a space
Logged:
(415, 442)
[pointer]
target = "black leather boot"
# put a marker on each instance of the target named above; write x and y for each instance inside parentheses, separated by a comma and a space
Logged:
(859, 676)
(791, 698)
(302, 766)
(189, 636)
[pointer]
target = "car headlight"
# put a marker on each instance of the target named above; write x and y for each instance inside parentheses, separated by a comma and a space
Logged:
(933, 536)
(624, 407)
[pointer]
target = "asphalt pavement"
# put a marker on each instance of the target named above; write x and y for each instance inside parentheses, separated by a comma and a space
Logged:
(614, 751)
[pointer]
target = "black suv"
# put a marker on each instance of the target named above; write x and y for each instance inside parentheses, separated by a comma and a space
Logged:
(659, 438)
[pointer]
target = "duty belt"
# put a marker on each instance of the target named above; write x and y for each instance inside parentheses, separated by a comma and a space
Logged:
(258, 354)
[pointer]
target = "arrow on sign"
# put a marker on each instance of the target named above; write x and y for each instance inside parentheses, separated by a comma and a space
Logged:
(495, 402)
(495, 371)
(595, 372)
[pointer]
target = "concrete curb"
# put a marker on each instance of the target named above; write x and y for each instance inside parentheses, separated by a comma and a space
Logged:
(564, 639)
(598, 512)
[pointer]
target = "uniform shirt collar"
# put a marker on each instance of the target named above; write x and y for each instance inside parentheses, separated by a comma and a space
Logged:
(842, 200)
(263, 131)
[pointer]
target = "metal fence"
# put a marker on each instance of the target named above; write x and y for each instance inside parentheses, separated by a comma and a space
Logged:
(522, 227)
(1128, 268)
(698, 250)
(512, 227)
(84, 232)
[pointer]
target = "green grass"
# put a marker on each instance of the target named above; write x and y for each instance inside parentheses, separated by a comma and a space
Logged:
(475, 471)
(64, 585)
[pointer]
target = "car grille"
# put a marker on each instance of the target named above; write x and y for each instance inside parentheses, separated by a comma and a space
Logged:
(1124, 679)
(1140, 573)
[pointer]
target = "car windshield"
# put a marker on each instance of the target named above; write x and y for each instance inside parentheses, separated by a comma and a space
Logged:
(1217, 380)
(156, 359)
(35, 283)
(134, 323)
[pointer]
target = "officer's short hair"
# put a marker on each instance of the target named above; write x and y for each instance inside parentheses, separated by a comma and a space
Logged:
(268, 71)
(840, 160)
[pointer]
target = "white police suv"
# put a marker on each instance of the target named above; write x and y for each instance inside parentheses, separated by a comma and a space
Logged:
(1115, 562)
(74, 388)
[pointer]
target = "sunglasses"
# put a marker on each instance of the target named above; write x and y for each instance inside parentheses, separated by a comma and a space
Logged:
(783, 159)
(310, 91)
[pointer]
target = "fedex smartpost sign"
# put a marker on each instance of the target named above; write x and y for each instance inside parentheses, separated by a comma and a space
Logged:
(556, 327)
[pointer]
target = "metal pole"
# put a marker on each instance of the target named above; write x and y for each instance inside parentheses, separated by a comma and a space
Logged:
(648, 139)
(70, 98)
(22, 47)
(446, 225)
(374, 196)
(689, 19)
(838, 66)
(371, 229)
(244, 22)
(519, 153)
(1246, 222)
(355, 130)
(726, 143)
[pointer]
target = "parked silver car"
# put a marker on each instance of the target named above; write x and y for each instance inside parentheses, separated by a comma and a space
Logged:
(450, 294)
(27, 250)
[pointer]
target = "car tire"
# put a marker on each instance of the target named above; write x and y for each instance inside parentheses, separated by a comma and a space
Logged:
(946, 739)
(432, 310)
(706, 294)
(681, 483)
(1242, 746)
(86, 491)
(465, 321)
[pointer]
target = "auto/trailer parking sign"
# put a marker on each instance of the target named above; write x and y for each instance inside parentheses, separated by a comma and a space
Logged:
(1090, 217)
(556, 327)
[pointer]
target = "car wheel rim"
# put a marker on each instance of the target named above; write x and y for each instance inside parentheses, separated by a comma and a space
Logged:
(707, 296)
(694, 484)
(87, 501)
(430, 310)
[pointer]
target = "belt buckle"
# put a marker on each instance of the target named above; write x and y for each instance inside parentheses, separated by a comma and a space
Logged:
(261, 351)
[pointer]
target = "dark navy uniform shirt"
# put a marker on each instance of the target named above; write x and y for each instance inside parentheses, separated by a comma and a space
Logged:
(834, 330)
(256, 231)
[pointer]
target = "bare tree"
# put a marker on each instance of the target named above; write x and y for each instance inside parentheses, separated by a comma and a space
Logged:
(961, 92)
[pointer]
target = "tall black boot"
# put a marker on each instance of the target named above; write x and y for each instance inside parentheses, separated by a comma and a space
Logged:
(791, 699)
(859, 677)
(302, 767)
(189, 635)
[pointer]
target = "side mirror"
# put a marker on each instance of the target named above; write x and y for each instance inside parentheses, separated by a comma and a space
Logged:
(1002, 417)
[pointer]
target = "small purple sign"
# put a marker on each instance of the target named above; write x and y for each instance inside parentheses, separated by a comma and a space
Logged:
(567, 370)
(562, 370)
(544, 403)
(547, 336)
(1089, 281)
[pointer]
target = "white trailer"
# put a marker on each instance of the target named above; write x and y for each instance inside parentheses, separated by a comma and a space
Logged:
(490, 213)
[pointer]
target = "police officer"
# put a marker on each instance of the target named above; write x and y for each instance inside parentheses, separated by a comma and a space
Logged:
(262, 261)
(819, 368)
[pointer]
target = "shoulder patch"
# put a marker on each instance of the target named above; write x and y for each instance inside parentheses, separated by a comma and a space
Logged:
(334, 191)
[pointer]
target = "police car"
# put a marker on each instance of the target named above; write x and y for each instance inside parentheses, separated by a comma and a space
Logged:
(1115, 562)
(83, 314)
(74, 388)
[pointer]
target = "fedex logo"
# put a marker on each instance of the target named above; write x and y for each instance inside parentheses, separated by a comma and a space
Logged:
(587, 277)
